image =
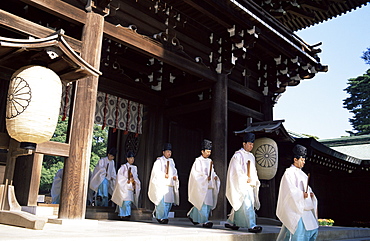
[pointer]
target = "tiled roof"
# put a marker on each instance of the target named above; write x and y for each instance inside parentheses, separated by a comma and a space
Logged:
(300, 14)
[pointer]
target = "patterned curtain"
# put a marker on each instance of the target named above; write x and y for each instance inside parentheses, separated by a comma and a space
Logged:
(65, 104)
(111, 111)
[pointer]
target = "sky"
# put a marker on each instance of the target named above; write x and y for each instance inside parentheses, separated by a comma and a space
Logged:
(315, 106)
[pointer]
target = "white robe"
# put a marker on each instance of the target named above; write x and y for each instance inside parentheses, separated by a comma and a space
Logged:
(199, 186)
(236, 181)
(104, 169)
(56, 186)
(292, 206)
(124, 191)
(161, 187)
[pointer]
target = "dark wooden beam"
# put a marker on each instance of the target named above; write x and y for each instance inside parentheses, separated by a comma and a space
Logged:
(154, 49)
(130, 91)
(29, 28)
(127, 37)
(245, 111)
(103, 3)
(314, 6)
(186, 89)
(4, 141)
(61, 9)
(205, 9)
(127, 62)
(147, 23)
(338, 1)
(245, 91)
(190, 108)
(300, 13)
(273, 33)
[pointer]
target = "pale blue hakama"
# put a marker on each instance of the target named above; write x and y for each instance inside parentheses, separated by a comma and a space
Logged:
(200, 216)
(103, 193)
(245, 217)
(301, 234)
(125, 210)
(162, 209)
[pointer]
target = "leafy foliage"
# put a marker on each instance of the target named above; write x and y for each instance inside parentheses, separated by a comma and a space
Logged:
(47, 176)
(51, 164)
(99, 145)
(366, 56)
(359, 103)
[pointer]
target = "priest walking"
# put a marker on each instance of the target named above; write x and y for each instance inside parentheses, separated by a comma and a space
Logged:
(297, 204)
(103, 178)
(164, 185)
(242, 187)
(203, 187)
(127, 189)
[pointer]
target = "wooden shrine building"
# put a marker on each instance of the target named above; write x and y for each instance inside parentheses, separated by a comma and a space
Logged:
(169, 71)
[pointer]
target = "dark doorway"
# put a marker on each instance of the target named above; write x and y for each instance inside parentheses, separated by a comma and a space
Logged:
(186, 145)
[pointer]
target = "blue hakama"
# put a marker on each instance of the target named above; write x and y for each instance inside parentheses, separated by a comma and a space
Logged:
(162, 210)
(200, 216)
(103, 193)
(125, 210)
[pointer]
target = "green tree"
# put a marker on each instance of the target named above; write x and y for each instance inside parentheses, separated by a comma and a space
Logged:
(60, 135)
(366, 56)
(358, 103)
(51, 164)
(99, 145)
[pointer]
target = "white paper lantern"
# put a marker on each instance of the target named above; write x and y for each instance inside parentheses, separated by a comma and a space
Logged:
(33, 103)
(266, 153)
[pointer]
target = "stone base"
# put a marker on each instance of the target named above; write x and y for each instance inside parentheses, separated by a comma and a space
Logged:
(22, 219)
(74, 222)
(43, 210)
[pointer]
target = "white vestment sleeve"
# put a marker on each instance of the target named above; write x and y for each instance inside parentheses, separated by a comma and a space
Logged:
(236, 182)
(158, 184)
(291, 202)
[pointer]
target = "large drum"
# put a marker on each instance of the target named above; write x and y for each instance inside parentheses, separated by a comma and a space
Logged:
(266, 153)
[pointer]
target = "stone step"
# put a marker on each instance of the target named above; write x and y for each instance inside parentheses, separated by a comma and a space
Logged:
(356, 239)
(109, 213)
(343, 233)
(179, 229)
(271, 227)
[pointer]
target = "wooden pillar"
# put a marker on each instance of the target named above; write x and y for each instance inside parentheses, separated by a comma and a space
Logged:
(10, 161)
(219, 138)
(76, 167)
(267, 108)
(35, 179)
(154, 139)
(27, 176)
